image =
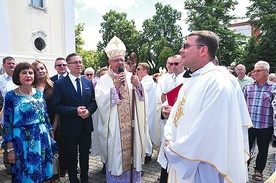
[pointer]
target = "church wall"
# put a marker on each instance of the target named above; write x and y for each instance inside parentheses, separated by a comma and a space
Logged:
(51, 27)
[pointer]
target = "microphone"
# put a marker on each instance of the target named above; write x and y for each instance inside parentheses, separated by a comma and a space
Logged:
(121, 69)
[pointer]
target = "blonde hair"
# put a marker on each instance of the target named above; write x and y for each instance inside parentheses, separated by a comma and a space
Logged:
(47, 78)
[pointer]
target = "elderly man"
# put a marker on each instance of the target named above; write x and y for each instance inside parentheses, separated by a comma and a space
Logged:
(89, 73)
(205, 113)
(116, 92)
(242, 78)
(259, 96)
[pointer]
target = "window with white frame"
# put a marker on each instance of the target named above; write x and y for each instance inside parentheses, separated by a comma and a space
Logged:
(38, 3)
(39, 39)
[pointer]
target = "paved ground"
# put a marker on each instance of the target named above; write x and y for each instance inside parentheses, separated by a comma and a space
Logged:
(152, 170)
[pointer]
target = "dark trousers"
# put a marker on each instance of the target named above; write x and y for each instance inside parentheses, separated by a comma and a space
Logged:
(72, 143)
(263, 137)
(61, 152)
(163, 176)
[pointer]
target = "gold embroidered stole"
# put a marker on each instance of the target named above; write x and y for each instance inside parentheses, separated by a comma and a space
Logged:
(124, 113)
(179, 111)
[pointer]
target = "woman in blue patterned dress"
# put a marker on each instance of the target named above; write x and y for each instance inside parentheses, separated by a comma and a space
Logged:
(27, 129)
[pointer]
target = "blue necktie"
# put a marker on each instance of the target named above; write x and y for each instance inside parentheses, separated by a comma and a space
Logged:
(61, 76)
(78, 86)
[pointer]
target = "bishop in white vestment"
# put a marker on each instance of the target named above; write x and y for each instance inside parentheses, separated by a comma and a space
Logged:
(114, 94)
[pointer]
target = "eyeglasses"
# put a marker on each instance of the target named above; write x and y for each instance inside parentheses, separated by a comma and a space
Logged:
(173, 63)
(75, 62)
(186, 46)
(258, 70)
(61, 65)
(118, 60)
(89, 74)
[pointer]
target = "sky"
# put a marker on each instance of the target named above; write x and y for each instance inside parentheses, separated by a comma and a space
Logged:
(91, 12)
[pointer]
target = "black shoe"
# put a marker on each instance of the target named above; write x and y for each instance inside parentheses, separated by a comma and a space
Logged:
(274, 141)
(103, 171)
(142, 173)
(147, 159)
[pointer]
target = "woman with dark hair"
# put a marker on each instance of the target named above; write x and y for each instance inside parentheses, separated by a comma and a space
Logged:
(27, 129)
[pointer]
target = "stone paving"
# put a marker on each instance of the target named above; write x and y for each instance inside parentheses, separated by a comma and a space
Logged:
(151, 170)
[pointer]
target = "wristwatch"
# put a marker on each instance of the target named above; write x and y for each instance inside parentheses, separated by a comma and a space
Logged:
(9, 150)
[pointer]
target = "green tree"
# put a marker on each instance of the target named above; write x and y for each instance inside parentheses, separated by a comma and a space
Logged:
(163, 56)
(160, 33)
(214, 15)
(250, 54)
(78, 39)
(144, 53)
(90, 58)
(117, 24)
(262, 15)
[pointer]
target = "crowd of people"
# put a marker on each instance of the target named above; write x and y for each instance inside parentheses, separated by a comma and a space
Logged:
(121, 113)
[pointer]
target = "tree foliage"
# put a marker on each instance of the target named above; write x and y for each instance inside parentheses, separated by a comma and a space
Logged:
(214, 15)
(90, 58)
(117, 24)
(158, 33)
(250, 56)
(262, 15)
(78, 39)
(161, 32)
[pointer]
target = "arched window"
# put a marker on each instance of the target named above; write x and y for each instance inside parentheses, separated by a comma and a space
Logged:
(39, 39)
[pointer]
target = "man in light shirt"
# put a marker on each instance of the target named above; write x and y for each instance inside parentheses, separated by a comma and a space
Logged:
(6, 84)
(242, 78)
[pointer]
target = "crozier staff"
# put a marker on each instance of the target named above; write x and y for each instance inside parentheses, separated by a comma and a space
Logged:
(114, 95)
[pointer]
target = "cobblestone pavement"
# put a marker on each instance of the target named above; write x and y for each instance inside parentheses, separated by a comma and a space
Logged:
(151, 170)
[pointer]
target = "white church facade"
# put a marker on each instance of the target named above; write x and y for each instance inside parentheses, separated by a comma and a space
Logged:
(37, 30)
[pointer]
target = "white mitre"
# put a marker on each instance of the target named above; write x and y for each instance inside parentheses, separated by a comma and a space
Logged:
(115, 47)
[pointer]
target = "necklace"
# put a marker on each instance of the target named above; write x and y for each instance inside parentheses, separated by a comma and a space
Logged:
(26, 96)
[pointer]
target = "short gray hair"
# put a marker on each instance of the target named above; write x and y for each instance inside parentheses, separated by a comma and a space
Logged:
(89, 69)
(241, 66)
(263, 63)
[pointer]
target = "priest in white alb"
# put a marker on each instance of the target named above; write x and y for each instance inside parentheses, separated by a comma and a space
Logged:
(204, 139)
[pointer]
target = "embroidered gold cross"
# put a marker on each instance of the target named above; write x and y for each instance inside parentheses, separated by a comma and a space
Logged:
(179, 112)
(116, 42)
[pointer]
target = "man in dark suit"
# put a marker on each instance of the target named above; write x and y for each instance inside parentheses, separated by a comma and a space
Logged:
(62, 71)
(74, 100)
(61, 68)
